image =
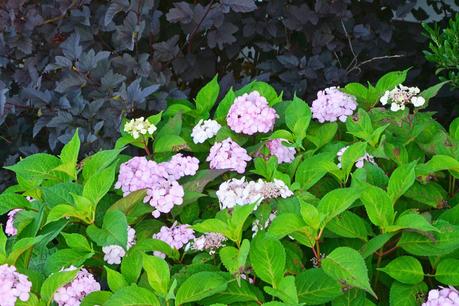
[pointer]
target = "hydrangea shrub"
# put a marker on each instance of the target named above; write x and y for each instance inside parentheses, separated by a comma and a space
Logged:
(254, 200)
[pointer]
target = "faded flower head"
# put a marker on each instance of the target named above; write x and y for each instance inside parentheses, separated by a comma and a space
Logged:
(228, 155)
(209, 242)
(139, 126)
(250, 114)
(448, 296)
(205, 129)
(283, 153)
(360, 162)
(332, 105)
(13, 286)
(74, 292)
(10, 230)
(114, 253)
(176, 236)
(400, 96)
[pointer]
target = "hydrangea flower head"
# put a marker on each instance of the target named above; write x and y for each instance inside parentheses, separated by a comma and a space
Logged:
(10, 230)
(332, 105)
(13, 286)
(401, 96)
(205, 129)
(180, 166)
(114, 253)
(443, 297)
(209, 242)
(73, 293)
(228, 155)
(139, 126)
(176, 236)
(360, 162)
(250, 114)
(283, 153)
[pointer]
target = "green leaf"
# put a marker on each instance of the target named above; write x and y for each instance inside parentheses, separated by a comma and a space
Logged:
(54, 282)
(390, 80)
(37, 166)
(346, 264)
(378, 206)
(207, 96)
(168, 143)
(113, 231)
(401, 180)
(10, 201)
(351, 155)
(316, 288)
(21, 246)
(66, 257)
(99, 184)
(199, 286)
(431, 194)
(284, 224)
(312, 169)
(69, 154)
(131, 265)
(235, 293)
(349, 225)
(133, 296)
(375, 244)
(96, 298)
(77, 241)
(413, 220)
(406, 295)
(286, 291)
(438, 163)
(101, 160)
(149, 245)
(405, 269)
(228, 257)
(267, 256)
(297, 117)
(158, 273)
(447, 272)
(214, 225)
(115, 279)
(127, 203)
(335, 202)
(238, 217)
(321, 134)
(60, 193)
(224, 106)
(65, 211)
(431, 92)
(352, 297)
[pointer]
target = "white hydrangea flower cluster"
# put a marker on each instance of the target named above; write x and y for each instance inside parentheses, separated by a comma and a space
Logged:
(114, 253)
(239, 192)
(209, 242)
(139, 126)
(400, 96)
(205, 129)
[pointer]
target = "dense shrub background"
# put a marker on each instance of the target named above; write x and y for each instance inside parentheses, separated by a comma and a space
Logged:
(81, 63)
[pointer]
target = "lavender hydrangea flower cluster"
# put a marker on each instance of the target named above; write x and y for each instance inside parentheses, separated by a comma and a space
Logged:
(443, 297)
(176, 236)
(360, 162)
(160, 180)
(10, 229)
(400, 96)
(239, 192)
(205, 129)
(13, 286)
(228, 155)
(114, 253)
(73, 293)
(332, 105)
(250, 114)
(209, 242)
(283, 153)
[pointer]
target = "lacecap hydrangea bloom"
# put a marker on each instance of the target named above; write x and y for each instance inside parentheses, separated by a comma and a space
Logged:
(228, 155)
(139, 126)
(114, 253)
(250, 114)
(73, 293)
(400, 96)
(360, 162)
(205, 129)
(332, 105)
(176, 236)
(160, 180)
(10, 229)
(442, 297)
(209, 242)
(13, 286)
(240, 192)
(283, 153)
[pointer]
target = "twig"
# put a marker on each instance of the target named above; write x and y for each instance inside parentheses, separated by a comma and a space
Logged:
(64, 13)
(196, 28)
(377, 58)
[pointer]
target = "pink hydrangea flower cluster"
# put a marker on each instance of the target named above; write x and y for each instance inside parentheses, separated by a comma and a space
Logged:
(209, 242)
(228, 155)
(114, 253)
(160, 180)
(176, 236)
(360, 162)
(283, 153)
(13, 286)
(442, 297)
(73, 293)
(332, 105)
(250, 114)
(10, 230)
